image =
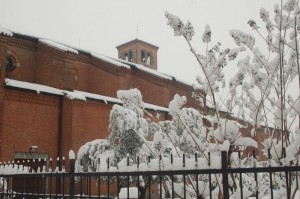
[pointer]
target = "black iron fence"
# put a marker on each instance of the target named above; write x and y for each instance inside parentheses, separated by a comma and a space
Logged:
(22, 182)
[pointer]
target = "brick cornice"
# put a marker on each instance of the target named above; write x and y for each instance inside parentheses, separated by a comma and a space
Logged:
(14, 41)
(56, 53)
(3, 40)
(113, 69)
(30, 98)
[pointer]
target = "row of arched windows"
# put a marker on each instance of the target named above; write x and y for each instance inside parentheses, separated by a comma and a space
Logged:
(144, 57)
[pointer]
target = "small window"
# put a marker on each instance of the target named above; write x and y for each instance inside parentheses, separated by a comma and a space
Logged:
(130, 55)
(10, 65)
(143, 57)
(148, 59)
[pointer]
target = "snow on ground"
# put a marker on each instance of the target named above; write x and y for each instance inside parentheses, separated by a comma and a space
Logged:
(297, 196)
(133, 193)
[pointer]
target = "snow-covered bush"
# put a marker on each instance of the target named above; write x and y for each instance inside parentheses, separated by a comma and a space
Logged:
(259, 93)
(129, 145)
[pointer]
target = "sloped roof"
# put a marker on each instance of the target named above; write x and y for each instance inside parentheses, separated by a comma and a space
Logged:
(135, 41)
(73, 95)
(74, 50)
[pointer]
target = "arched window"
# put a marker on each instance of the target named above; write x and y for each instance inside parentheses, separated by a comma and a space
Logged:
(148, 59)
(143, 57)
(9, 65)
(130, 55)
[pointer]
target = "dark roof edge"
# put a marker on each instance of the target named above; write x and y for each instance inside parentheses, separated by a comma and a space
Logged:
(136, 40)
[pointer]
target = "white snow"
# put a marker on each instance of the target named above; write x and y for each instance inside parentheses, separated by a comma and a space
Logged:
(106, 99)
(71, 155)
(133, 192)
(176, 104)
(5, 32)
(225, 146)
(155, 107)
(206, 37)
(109, 60)
(143, 68)
(58, 46)
(74, 96)
(152, 71)
(32, 86)
(242, 38)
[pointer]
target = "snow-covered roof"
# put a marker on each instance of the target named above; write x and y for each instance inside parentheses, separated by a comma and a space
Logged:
(145, 69)
(107, 99)
(5, 32)
(58, 46)
(73, 95)
(109, 60)
(116, 62)
(34, 87)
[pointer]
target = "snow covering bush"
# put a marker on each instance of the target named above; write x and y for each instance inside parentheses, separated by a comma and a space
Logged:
(135, 142)
(258, 93)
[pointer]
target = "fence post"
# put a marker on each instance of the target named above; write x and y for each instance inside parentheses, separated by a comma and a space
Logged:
(225, 174)
(72, 170)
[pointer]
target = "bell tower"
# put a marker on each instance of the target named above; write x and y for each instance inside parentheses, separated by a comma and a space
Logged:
(139, 52)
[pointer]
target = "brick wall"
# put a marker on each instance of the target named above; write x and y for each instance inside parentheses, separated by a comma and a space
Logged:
(137, 46)
(28, 120)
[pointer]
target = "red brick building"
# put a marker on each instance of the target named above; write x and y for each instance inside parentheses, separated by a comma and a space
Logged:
(54, 97)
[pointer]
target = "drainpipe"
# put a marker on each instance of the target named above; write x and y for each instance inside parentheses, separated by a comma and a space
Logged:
(59, 140)
(59, 126)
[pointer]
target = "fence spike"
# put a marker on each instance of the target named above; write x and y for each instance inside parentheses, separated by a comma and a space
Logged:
(127, 159)
(50, 166)
(254, 158)
(98, 165)
(159, 159)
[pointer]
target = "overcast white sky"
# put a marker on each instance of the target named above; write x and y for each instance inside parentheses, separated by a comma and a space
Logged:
(101, 25)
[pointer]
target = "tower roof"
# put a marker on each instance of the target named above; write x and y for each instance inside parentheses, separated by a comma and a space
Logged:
(136, 41)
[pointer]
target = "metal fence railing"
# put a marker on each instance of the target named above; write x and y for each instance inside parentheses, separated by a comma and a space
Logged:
(17, 181)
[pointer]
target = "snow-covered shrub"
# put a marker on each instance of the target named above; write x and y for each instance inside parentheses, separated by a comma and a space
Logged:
(258, 93)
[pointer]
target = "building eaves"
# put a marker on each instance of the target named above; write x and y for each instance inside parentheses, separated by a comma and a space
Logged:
(73, 95)
(137, 40)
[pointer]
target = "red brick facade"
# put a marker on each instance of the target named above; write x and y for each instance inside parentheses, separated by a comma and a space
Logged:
(56, 123)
